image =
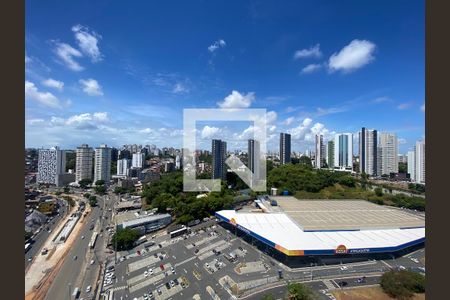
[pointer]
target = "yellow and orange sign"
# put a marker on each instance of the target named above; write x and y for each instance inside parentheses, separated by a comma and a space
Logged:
(233, 221)
(341, 249)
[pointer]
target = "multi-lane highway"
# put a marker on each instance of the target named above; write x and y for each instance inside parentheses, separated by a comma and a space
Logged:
(40, 238)
(77, 263)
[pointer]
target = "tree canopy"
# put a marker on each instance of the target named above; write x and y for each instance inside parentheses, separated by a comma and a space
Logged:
(124, 239)
(402, 284)
(298, 291)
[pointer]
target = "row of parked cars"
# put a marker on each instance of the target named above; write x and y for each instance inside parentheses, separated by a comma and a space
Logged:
(109, 276)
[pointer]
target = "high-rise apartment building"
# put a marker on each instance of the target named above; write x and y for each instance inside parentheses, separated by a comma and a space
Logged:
(388, 154)
(254, 157)
(102, 164)
(343, 150)
(368, 151)
(123, 165)
(420, 161)
(138, 160)
(219, 153)
(285, 148)
(416, 163)
(320, 152)
(330, 154)
(83, 163)
(412, 165)
(51, 164)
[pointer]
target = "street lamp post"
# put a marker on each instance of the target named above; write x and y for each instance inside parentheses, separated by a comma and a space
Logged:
(69, 291)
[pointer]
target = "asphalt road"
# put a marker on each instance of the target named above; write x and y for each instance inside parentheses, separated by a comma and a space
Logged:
(43, 235)
(65, 281)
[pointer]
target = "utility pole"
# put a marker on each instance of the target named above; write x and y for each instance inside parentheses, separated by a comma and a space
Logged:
(69, 291)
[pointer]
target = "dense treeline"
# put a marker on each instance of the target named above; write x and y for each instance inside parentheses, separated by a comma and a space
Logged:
(301, 177)
(307, 183)
(402, 284)
(167, 195)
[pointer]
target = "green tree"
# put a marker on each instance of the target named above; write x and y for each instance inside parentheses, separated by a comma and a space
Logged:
(305, 160)
(402, 167)
(100, 189)
(70, 161)
(100, 182)
(378, 191)
(86, 195)
(66, 190)
(124, 239)
(402, 284)
(28, 235)
(268, 296)
(84, 183)
(298, 291)
(114, 167)
(92, 200)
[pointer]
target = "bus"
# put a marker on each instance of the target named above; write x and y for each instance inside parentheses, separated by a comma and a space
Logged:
(178, 232)
(93, 240)
(141, 240)
(27, 247)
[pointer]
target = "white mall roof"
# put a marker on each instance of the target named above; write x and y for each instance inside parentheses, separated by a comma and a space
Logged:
(280, 232)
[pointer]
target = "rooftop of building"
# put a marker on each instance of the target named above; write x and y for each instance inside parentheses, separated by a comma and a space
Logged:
(319, 215)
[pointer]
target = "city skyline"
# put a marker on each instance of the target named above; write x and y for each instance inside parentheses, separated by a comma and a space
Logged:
(97, 80)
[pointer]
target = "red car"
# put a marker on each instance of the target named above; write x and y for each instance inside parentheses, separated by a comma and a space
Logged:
(162, 267)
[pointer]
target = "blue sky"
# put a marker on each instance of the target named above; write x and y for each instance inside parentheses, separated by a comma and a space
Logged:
(105, 72)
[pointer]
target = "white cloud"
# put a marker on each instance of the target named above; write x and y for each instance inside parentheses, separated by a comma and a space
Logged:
(353, 56)
(313, 51)
(209, 132)
(272, 128)
(88, 42)
(52, 83)
(146, 130)
(84, 121)
(403, 106)
(35, 121)
(311, 68)
(101, 116)
(330, 110)
(44, 98)
(237, 100)
(216, 45)
(380, 99)
(67, 53)
(27, 59)
(305, 132)
(402, 141)
(91, 87)
(289, 121)
(180, 88)
(422, 107)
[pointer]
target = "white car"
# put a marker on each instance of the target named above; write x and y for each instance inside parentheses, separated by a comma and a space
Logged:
(92, 262)
(415, 260)
(344, 268)
(150, 271)
(88, 289)
(145, 273)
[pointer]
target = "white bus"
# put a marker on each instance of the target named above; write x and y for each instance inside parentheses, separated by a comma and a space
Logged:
(141, 240)
(93, 240)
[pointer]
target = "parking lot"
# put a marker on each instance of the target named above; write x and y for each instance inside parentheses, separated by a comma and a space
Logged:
(200, 264)
(213, 263)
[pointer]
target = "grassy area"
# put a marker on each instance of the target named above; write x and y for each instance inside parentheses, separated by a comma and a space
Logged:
(372, 293)
(338, 191)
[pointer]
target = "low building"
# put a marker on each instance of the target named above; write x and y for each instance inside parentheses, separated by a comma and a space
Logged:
(144, 223)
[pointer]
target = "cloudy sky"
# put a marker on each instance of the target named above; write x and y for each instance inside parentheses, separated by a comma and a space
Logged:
(117, 73)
